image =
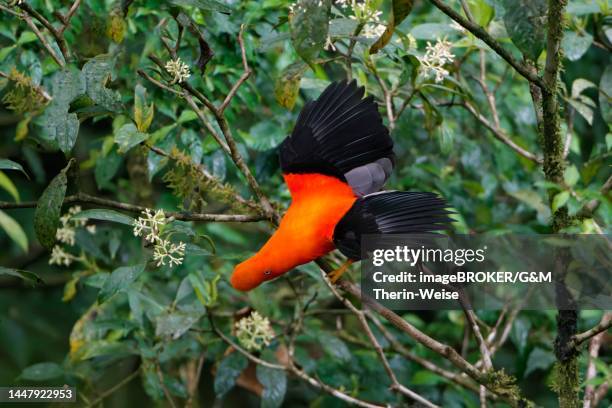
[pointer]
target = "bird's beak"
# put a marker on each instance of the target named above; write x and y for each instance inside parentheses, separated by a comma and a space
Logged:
(244, 279)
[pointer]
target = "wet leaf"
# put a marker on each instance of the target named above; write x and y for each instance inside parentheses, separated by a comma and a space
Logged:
(275, 386)
(228, 371)
(309, 27)
(525, 21)
(48, 208)
(120, 279)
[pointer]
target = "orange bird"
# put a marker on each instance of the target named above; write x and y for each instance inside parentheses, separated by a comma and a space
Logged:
(335, 162)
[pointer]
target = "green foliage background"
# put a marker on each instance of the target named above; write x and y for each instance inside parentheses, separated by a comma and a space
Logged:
(113, 312)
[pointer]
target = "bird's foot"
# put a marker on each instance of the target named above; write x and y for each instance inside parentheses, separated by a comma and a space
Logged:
(336, 274)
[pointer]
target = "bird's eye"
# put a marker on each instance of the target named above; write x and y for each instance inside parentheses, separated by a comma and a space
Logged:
(268, 272)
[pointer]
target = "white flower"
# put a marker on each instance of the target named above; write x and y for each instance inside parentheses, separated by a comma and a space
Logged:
(329, 45)
(59, 257)
(149, 225)
(164, 249)
(373, 30)
(254, 332)
(91, 229)
(178, 69)
(65, 235)
(436, 56)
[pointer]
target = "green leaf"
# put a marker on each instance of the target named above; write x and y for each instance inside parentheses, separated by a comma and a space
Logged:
(143, 114)
(42, 372)
(583, 109)
(59, 126)
(212, 5)
(96, 73)
(105, 215)
(106, 168)
(399, 10)
(129, 136)
(335, 347)
(576, 45)
(120, 279)
(571, 176)
(287, 85)
(559, 200)
(579, 86)
(309, 27)
(48, 208)
(605, 94)
(538, 359)
(520, 333)
(228, 371)
(21, 274)
(6, 164)
(525, 22)
(431, 31)
(275, 386)
(8, 185)
(175, 324)
(14, 230)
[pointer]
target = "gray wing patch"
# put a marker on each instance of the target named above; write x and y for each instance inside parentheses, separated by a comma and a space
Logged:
(370, 177)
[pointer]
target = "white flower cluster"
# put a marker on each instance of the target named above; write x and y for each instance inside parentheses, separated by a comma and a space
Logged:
(254, 332)
(66, 235)
(436, 56)
(151, 228)
(367, 14)
(178, 69)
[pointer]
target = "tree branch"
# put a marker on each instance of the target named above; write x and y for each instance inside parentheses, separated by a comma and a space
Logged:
(395, 384)
(57, 35)
(501, 135)
(183, 216)
(482, 34)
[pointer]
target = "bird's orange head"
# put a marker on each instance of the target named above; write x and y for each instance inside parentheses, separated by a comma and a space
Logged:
(251, 273)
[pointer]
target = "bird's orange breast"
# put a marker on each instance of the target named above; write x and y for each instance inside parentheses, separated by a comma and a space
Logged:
(305, 231)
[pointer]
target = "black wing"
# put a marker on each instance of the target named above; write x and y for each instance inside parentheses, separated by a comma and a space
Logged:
(341, 134)
(390, 212)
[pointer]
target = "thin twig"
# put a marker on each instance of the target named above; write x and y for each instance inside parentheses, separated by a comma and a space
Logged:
(444, 350)
(580, 338)
(59, 38)
(43, 40)
(501, 135)
(395, 384)
(114, 388)
(245, 75)
(66, 19)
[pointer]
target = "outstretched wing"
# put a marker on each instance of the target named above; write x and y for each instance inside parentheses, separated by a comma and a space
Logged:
(390, 212)
(341, 134)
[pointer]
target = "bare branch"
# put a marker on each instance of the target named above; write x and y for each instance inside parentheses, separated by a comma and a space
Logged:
(501, 135)
(395, 384)
(183, 216)
(508, 393)
(604, 325)
(57, 35)
(43, 40)
(245, 75)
